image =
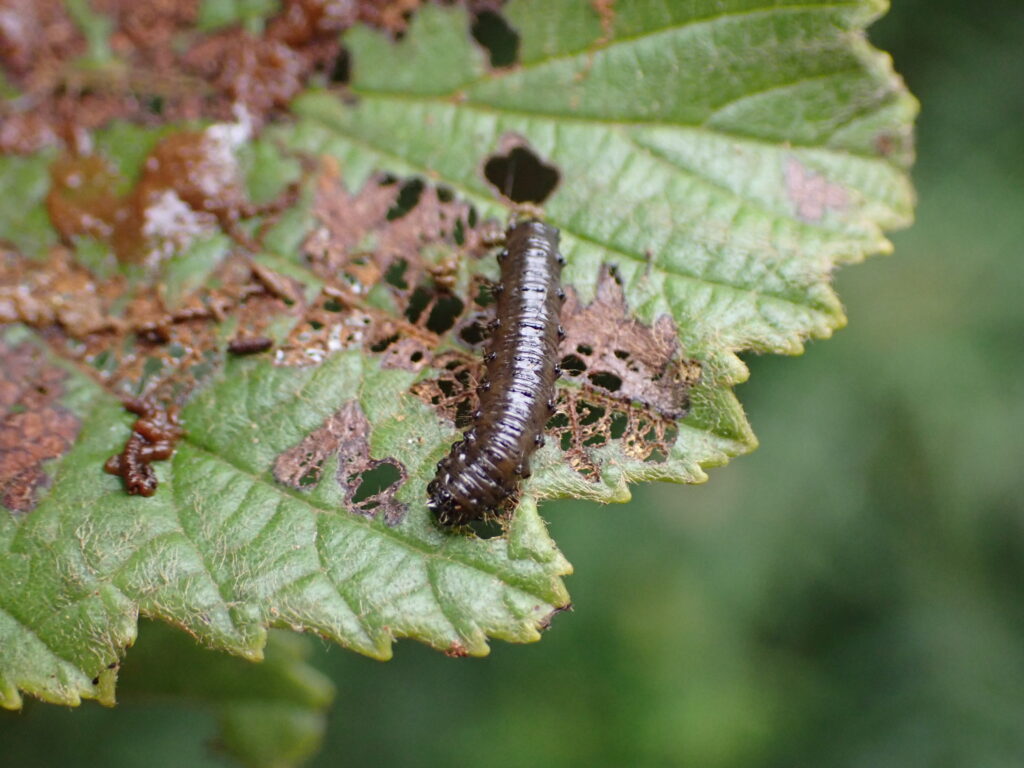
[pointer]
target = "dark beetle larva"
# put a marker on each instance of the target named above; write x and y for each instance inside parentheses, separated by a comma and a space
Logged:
(517, 395)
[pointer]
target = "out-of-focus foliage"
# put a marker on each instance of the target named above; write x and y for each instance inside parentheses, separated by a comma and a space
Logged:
(848, 596)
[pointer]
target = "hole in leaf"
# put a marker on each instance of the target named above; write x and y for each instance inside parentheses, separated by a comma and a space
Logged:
(494, 33)
(473, 333)
(384, 343)
(521, 176)
(572, 365)
(589, 414)
(311, 476)
(605, 380)
(487, 529)
(408, 196)
(566, 440)
(418, 302)
(396, 274)
(484, 296)
(341, 70)
(618, 427)
(375, 481)
(446, 311)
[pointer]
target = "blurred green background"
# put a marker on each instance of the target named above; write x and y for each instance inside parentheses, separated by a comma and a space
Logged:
(852, 594)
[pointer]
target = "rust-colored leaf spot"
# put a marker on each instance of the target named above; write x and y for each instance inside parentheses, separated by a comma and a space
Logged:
(606, 10)
(35, 427)
(153, 437)
(811, 193)
(370, 484)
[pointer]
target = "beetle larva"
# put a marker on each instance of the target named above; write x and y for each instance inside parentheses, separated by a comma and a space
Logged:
(517, 395)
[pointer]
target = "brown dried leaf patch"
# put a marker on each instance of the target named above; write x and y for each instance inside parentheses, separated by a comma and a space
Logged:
(35, 427)
(611, 350)
(375, 233)
(390, 15)
(371, 240)
(129, 339)
(345, 434)
(190, 185)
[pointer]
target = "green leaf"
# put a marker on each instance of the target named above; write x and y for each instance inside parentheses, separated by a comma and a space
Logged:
(223, 549)
(724, 157)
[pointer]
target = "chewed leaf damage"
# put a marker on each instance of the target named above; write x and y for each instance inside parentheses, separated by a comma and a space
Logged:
(345, 435)
(35, 428)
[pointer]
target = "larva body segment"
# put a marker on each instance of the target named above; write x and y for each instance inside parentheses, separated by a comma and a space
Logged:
(516, 399)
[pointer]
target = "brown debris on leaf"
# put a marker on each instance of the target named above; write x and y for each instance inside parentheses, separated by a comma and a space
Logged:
(390, 15)
(153, 437)
(35, 427)
(129, 339)
(249, 345)
(36, 31)
(345, 434)
(160, 69)
(56, 292)
(190, 186)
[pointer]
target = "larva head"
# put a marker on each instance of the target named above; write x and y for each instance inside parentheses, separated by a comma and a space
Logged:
(446, 509)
